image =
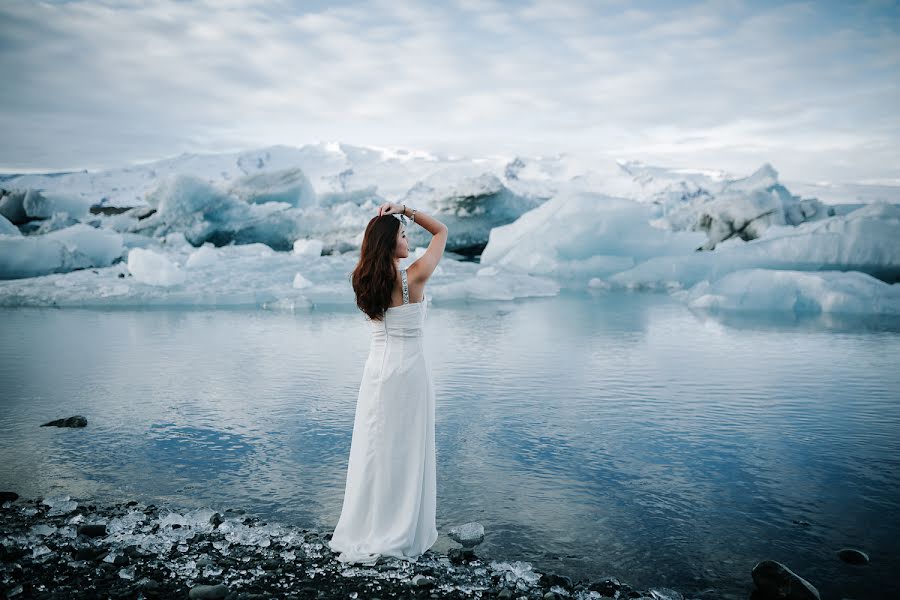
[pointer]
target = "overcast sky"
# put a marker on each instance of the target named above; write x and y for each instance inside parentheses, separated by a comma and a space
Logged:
(812, 88)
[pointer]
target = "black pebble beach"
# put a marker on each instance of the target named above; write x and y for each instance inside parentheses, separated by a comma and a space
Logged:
(60, 548)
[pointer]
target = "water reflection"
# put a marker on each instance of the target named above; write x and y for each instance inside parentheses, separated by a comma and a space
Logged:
(617, 433)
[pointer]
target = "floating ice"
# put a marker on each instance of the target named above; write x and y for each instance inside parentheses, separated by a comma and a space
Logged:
(204, 256)
(797, 292)
(301, 282)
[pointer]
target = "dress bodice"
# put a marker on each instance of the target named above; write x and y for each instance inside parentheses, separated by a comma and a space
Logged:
(406, 320)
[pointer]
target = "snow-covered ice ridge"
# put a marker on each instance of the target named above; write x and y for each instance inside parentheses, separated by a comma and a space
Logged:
(281, 227)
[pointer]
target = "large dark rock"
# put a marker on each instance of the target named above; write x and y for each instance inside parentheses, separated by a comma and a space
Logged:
(10, 496)
(76, 421)
(776, 581)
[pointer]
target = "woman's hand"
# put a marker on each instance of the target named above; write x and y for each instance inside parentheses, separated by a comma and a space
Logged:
(389, 208)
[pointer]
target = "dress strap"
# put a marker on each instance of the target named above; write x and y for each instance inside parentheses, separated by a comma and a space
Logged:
(405, 286)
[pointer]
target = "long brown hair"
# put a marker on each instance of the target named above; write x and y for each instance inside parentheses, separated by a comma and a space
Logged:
(375, 273)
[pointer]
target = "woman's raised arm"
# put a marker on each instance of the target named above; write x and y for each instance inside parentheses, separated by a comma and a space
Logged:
(425, 265)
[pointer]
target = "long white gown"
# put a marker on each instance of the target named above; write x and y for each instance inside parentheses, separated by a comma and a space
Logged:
(390, 495)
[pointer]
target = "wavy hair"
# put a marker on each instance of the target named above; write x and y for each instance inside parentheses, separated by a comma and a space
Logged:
(375, 273)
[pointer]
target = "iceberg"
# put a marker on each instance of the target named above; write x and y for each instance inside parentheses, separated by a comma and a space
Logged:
(581, 235)
(280, 228)
(470, 207)
(28, 207)
(7, 228)
(77, 247)
(863, 240)
(742, 208)
(287, 185)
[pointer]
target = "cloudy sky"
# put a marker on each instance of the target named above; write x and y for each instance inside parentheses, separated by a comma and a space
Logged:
(811, 87)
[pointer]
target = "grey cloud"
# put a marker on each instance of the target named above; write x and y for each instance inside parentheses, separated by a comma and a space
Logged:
(92, 83)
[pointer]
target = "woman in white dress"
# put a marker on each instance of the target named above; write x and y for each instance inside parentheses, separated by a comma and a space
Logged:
(390, 496)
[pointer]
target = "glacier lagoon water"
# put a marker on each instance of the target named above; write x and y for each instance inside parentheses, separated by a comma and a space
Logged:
(613, 434)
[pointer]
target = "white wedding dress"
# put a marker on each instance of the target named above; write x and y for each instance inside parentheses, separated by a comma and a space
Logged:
(391, 490)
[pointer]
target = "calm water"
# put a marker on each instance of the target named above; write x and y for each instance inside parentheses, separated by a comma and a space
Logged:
(617, 434)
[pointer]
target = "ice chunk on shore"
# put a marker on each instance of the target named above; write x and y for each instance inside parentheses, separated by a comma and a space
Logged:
(77, 247)
(152, 268)
(516, 572)
(797, 292)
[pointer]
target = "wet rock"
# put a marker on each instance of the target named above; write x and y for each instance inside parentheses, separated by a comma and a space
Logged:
(92, 530)
(216, 519)
(665, 594)
(460, 556)
(853, 556)
(776, 581)
(468, 534)
(208, 592)
(76, 421)
(550, 579)
(88, 553)
(8, 497)
(606, 586)
(148, 584)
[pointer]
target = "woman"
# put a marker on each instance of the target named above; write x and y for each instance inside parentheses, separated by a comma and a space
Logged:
(391, 489)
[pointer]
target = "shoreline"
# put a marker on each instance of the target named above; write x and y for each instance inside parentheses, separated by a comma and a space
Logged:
(62, 548)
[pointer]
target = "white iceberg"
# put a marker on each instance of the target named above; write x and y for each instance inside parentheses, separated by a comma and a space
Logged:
(579, 235)
(863, 240)
(77, 247)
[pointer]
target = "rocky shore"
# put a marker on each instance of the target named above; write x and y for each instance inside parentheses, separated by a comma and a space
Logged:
(61, 548)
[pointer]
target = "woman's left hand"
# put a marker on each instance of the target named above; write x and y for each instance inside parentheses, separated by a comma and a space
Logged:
(388, 208)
